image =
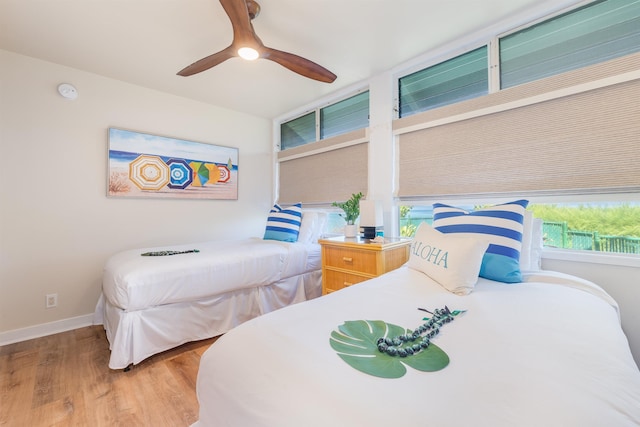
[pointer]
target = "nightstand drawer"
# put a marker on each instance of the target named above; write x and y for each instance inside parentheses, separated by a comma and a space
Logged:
(362, 261)
(336, 280)
(347, 261)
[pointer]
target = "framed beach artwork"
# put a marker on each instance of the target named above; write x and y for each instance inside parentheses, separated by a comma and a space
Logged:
(144, 165)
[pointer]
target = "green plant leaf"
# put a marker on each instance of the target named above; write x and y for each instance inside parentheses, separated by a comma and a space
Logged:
(351, 207)
(355, 341)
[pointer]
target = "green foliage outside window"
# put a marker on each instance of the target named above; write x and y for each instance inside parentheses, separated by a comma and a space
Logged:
(596, 227)
(620, 220)
(407, 227)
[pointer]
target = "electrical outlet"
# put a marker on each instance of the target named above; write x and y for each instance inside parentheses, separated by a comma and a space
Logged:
(52, 300)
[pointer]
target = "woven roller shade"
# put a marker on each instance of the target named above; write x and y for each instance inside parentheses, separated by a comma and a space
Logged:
(325, 177)
(582, 143)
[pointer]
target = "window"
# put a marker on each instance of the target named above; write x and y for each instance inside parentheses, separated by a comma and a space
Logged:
(344, 116)
(594, 33)
(460, 78)
(612, 227)
(298, 131)
(335, 119)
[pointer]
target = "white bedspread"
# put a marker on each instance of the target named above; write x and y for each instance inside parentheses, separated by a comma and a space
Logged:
(134, 282)
(546, 352)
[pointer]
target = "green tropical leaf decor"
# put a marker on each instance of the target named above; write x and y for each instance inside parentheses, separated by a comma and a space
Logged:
(356, 342)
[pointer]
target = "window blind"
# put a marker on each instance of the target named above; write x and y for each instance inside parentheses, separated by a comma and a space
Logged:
(585, 142)
(325, 171)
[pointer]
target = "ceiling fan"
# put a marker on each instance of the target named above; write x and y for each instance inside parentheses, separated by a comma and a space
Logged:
(248, 45)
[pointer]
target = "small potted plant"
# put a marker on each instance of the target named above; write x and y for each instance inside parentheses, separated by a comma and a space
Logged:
(351, 210)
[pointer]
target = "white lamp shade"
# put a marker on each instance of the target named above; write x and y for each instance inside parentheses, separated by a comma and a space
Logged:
(371, 213)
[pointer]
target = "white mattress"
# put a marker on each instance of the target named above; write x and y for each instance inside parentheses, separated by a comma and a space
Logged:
(546, 352)
(134, 282)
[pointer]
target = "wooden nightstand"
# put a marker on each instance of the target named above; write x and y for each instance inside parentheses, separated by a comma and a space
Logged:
(347, 261)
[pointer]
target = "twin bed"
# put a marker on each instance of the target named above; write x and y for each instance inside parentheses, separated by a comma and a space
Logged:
(547, 351)
(156, 302)
(536, 348)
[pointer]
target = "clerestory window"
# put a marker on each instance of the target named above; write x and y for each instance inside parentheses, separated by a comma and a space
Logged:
(336, 119)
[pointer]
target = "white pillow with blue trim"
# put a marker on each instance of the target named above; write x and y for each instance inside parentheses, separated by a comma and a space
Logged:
(284, 224)
(502, 225)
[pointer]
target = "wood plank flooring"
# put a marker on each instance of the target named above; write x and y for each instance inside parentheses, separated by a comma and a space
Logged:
(64, 380)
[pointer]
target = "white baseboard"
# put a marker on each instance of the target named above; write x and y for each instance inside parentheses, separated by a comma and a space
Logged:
(42, 330)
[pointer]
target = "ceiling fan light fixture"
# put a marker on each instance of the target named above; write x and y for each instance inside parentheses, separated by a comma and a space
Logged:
(248, 53)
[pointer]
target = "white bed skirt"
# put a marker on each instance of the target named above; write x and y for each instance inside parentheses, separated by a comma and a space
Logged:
(134, 336)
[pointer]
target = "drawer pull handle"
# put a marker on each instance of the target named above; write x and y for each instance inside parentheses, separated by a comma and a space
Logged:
(347, 284)
(347, 259)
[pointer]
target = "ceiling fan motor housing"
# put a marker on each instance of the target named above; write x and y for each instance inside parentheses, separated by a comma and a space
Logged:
(253, 8)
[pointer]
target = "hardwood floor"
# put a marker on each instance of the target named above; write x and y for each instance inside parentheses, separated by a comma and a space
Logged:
(64, 380)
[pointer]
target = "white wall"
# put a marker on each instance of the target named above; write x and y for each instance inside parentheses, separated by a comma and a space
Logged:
(57, 227)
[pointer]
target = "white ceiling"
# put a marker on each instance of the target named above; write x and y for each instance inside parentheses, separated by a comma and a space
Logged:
(146, 42)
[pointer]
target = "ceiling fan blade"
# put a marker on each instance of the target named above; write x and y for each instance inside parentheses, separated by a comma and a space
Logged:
(298, 64)
(239, 16)
(208, 62)
(242, 32)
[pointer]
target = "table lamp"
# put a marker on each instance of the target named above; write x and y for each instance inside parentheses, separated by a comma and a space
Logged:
(371, 220)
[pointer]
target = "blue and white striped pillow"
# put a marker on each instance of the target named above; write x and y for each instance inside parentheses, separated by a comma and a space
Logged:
(284, 224)
(501, 225)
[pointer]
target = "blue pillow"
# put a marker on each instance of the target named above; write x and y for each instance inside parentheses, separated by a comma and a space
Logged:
(501, 225)
(284, 224)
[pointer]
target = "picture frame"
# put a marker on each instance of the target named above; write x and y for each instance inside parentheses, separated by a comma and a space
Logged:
(146, 165)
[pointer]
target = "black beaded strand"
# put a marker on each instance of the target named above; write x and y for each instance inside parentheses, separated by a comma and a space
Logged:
(165, 253)
(431, 328)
